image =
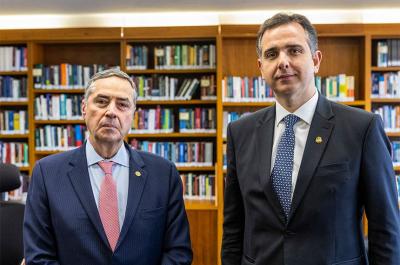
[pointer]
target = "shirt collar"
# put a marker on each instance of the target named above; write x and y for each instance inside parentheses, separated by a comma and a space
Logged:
(121, 157)
(305, 112)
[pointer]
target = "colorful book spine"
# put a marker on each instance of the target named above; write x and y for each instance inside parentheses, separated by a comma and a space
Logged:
(336, 88)
(13, 58)
(198, 186)
(64, 76)
(185, 56)
(154, 120)
(229, 117)
(14, 153)
(197, 120)
(385, 85)
(58, 107)
(136, 57)
(183, 154)
(13, 122)
(59, 138)
(246, 89)
(390, 115)
(13, 89)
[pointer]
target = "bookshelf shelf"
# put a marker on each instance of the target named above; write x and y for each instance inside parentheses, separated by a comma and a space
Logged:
(385, 100)
(393, 134)
(14, 136)
(171, 71)
(13, 72)
(13, 103)
(46, 153)
(171, 135)
(200, 205)
(44, 122)
(176, 102)
(183, 169)
(385, 69)
(63, 91)
(23, 168)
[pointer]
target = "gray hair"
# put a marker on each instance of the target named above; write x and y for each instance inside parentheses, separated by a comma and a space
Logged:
(109, 73)
(284, 18)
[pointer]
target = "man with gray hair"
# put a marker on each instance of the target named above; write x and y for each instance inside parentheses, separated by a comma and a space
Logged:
(105, 203)
(301, 172)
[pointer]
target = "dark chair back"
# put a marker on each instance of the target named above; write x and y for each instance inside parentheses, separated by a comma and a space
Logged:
(11, 218)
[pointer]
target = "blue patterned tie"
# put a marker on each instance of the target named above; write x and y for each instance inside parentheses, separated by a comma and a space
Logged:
(282, 172)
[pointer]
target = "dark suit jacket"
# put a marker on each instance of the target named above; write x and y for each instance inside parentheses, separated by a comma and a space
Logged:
(62, 224)
(348, 172)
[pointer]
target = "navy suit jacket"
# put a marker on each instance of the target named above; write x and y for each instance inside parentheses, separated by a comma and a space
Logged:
(349, 171)
(62, 224)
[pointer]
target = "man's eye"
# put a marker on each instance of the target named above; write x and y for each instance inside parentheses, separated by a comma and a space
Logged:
(123, 105)
(101, 101)
(270, 55)
(296, 51)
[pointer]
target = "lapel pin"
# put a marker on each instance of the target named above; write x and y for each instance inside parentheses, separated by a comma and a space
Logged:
(138, 174)
(318, 139)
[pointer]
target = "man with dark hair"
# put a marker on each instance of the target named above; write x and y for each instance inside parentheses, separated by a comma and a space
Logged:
(301, 173)
(105, 203)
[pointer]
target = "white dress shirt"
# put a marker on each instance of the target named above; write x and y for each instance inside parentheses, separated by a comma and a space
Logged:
(120, 173)
(301, 129)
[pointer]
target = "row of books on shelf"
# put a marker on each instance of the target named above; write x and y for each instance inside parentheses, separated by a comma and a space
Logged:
(388, 52)
(137, 57)
(15, 153)
(58, 107)
(59, 138)
(13, 122)
(161, 120)
(185, 56)
(181, 153)
(337, 88)
(64, 76)
(385, 85)
(390, 116)
(229, 116)
(13, 58)
(198, 186)
(162, 87)
(200, 119)
(255, 89)
(13, 89)
(396, 152)
(245, 89)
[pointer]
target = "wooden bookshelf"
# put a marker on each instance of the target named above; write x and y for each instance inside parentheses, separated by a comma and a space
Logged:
(13, 73)
(346, 48)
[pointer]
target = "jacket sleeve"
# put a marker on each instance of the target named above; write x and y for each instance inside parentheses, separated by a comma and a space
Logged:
(380, 197)
(177, 246)
(233, 228)
(39, 241)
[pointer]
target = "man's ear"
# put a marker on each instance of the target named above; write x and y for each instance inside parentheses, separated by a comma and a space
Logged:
(317, 57)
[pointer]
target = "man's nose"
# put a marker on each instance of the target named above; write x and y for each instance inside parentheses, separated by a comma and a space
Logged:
(283, 61)
(111, 109)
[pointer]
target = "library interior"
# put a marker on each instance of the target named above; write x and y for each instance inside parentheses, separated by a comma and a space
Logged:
(195, 69)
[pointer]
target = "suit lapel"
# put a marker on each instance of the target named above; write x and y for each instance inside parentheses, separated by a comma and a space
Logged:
(79, 177)
(265, 135)
(137, 181)
(320, 127)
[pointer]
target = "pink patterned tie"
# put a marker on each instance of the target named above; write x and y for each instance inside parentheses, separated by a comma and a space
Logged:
(108, 204)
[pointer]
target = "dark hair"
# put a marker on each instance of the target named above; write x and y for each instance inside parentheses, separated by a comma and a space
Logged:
(282, 19)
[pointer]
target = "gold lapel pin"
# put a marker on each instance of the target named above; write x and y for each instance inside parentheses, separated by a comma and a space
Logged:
(138, 174)
(318, 139)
